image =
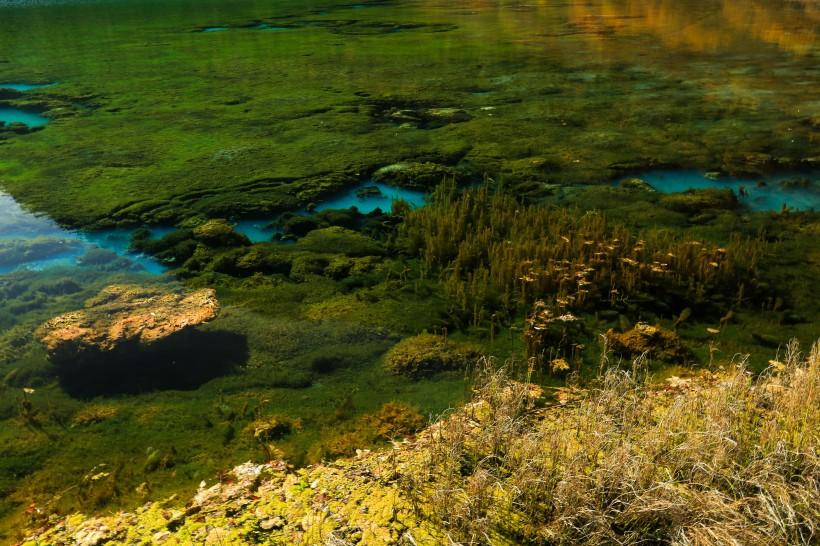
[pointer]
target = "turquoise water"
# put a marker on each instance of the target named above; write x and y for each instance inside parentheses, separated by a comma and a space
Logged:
(267, 27)
(368, 204)
(20, 86)
(213, 29)
(762, 193)
(22, 230)
(260, 230)
(15, 115)
(66, 247)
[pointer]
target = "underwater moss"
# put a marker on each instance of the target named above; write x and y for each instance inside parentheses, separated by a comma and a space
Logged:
(429, 353)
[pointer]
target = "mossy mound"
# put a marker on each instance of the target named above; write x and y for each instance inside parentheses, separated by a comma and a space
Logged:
(423, 176)
(219, 233)
(696, 201)
(426, 354)
(339, 240)
(653, 341)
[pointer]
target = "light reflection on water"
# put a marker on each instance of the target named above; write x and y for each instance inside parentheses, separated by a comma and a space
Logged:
(56, 246)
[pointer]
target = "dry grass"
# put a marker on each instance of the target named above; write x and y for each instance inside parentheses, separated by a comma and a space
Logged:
(727, 459)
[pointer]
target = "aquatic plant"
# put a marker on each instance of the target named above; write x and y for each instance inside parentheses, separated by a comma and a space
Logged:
(494, 254)
(426, 354)
(649, 341)
(554, 339)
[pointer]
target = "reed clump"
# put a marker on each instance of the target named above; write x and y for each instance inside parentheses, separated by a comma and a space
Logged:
(723, 458)
(496, 256)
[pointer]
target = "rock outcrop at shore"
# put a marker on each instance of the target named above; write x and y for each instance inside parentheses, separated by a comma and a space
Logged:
(125, 317)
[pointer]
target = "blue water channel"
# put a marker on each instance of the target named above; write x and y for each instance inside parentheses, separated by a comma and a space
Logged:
(10, 115)
(766, 193)
(34, 241)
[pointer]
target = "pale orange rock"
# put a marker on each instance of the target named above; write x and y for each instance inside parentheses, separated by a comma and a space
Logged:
(126, 314)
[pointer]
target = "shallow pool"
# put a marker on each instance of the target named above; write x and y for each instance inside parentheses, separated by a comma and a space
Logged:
(261, 230)
(10, 115)
(35, 242)
(768, 193)
(22, 86)
(368, 203)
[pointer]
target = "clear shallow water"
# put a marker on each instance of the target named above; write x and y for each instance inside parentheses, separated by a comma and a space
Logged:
(41, 243)
(15, 115)
(257, 230)
(20, 86)
(762, 193)
(261, 230)
(586, 84)
(18, 224)
(267, 27)
(368, 204)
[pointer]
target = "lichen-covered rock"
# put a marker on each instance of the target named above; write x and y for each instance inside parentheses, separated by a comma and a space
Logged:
(654, 341)
(425, 354)
(126, 315)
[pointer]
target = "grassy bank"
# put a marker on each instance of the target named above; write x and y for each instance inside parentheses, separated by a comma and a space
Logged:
(719, 457)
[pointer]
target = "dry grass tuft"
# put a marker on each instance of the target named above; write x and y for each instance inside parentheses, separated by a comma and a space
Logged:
(722, 459)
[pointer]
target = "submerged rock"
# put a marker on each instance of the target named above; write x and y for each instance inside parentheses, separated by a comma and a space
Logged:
(800, 183)
(637, 184)
(446, 115)
(368, 191)
(125, 317)
(696, 201)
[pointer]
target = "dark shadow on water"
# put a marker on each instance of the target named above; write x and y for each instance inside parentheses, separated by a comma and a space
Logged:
(183, 362)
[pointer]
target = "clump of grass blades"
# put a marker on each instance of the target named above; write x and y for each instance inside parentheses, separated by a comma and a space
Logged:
(730, 459)
(494, 253)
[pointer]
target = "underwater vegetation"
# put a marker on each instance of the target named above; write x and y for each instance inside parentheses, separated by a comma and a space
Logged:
(376, 195)
(362, 326)
(495, 256)
(548, 98)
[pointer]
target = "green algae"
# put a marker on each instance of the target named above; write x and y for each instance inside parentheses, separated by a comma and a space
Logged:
(153, 123)
(255, 136)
